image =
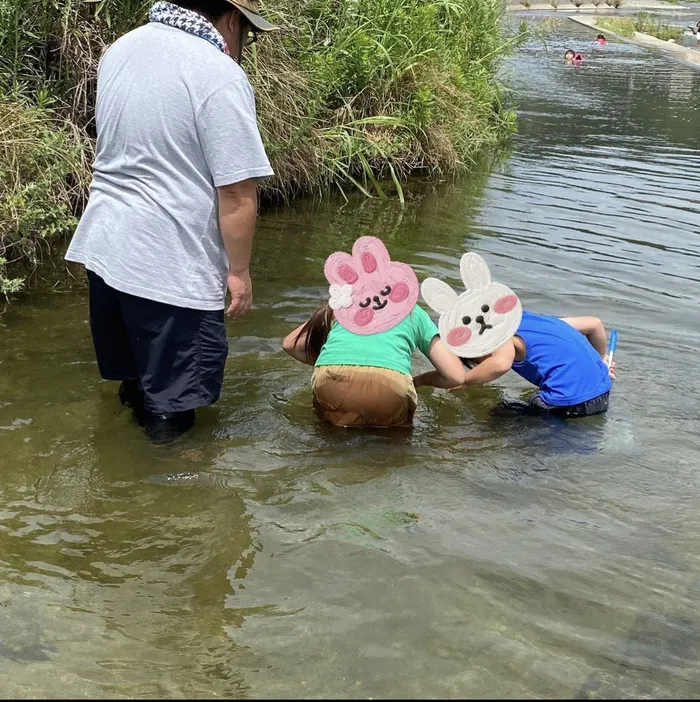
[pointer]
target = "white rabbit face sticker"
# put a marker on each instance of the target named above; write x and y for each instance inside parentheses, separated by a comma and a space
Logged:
(482, 318)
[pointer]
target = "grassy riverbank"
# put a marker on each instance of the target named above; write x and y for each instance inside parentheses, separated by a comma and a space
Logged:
(642, 22)
(352, 93)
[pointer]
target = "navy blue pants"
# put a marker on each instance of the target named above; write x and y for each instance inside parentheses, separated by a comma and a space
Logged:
(597, 405)
(178, 354)
(537, 406)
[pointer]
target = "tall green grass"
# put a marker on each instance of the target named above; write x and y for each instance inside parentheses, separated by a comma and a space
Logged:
(351, 94)
(642, 22)
(43, 179)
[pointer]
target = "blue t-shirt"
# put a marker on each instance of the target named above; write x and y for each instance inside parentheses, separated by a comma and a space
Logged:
(560, 361)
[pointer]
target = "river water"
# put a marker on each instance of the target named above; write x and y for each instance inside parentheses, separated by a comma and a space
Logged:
(268, 556)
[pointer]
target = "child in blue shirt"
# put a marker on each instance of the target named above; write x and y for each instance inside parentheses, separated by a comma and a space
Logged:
(564, 358)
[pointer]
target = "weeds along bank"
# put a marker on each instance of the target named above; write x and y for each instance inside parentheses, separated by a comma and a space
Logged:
(642, 22)
(351, 94)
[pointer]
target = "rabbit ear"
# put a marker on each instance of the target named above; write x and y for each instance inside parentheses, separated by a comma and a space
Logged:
(439, 296)
(371, 253)
(475, 271)
(340, 269)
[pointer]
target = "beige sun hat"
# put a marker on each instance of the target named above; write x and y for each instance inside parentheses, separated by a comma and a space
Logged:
(250, 10)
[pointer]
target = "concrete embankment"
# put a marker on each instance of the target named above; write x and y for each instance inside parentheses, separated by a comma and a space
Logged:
(564, 6)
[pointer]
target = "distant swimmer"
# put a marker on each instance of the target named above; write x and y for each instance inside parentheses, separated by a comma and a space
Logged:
(573, 57)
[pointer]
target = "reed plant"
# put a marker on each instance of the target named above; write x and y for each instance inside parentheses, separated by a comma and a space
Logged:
(43, 179)
(352, 93)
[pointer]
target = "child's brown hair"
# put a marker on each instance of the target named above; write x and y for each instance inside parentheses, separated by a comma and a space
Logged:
(316, 330)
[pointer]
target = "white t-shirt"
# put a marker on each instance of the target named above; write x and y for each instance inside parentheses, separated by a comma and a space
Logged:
(175, 119)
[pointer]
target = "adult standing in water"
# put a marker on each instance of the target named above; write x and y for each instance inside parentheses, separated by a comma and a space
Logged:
(171, 215)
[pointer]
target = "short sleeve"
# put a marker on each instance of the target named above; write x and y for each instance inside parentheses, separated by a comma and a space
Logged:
(425, 329)
(228, 131)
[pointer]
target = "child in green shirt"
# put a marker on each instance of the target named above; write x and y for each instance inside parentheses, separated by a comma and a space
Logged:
(361, 343)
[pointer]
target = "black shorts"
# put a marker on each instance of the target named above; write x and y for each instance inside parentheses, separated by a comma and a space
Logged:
(177, 353)
(597, 405)
(538, 406)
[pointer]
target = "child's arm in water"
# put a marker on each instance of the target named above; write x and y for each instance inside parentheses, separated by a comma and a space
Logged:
(294, 345)
(450, 371)
(492, 366)
(592, 328)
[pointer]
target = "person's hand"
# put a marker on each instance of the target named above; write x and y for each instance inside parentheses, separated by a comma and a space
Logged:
(240, 287)
(611, 370)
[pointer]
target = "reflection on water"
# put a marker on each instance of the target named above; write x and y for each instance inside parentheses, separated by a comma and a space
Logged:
(267, 555)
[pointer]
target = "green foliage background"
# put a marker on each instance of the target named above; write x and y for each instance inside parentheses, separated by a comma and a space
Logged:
(351, 93)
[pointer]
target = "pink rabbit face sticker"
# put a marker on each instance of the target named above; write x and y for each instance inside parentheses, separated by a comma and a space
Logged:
(370, 293)
(482, 318)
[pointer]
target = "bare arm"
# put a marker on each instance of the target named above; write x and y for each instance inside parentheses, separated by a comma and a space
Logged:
(492, 368)
(295, 347)
(238, 208)
(592, 328)
(449, 371)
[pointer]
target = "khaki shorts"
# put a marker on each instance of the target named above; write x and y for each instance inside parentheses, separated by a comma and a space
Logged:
(363, 396)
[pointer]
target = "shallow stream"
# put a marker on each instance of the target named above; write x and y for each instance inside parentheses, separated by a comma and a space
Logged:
(268, 556)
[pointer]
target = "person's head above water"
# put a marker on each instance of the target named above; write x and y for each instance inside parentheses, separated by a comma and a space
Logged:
(370, 293)
(481, 319)
(569, 54)
(601, 37)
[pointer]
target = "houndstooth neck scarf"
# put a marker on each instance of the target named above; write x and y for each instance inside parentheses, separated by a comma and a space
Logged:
(189, 21)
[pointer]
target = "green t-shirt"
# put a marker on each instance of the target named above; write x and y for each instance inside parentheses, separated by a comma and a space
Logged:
(390, 349)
